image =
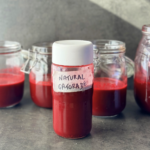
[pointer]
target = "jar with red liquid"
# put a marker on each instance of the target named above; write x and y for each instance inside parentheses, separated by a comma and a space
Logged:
(38, 66)
(72, 79)
(110, 77)
(142, 71)
(11, 78)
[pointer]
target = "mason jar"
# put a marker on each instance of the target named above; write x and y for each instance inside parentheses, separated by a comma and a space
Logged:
(11, 78)
(38, 66)
(111, 69)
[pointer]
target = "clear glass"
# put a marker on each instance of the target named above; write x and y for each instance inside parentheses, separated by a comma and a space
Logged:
(38, 66)
(11, 78)
(40, 82)
(110, 77)
(72, 111)
(142, 71)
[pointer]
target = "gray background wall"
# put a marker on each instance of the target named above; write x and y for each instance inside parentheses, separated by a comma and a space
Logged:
(31, 21)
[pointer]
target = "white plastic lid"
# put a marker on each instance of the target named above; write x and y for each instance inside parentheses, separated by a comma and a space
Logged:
(72, 52)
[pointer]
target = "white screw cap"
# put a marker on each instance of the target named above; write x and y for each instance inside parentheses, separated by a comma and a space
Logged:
(72, 52)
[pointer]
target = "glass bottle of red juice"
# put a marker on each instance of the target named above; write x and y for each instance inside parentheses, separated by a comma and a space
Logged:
(11, 78)
(38, 66)
(72, 79)
(110, 77)
(142, 71)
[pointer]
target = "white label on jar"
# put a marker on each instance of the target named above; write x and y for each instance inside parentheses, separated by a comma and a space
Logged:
(72, 81)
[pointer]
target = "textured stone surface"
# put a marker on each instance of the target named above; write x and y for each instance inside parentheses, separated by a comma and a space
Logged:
(29, 127)
(29, 21)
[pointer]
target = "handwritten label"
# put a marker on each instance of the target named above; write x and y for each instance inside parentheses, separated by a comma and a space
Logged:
(72, 81)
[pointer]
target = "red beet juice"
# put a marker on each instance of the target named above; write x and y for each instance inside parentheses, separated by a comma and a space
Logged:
(41, 92)
(142, 93)
(72, 113)
(11, 89)
(109, 97)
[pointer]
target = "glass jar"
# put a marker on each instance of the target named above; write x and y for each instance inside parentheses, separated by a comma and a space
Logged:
(72, 78)
(110, 77)
(142, 71)
(11, 78)
(38, 66)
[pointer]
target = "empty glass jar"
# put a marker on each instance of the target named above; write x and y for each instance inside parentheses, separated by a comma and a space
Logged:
(111, 69)
(38, 66)
(11, 78)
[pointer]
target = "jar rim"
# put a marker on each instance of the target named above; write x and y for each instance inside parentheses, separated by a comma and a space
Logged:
(42, 48)
(109, 46)
(9, 47)
(146, 28)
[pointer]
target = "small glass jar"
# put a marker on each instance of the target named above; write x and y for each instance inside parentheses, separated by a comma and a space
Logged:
(72, 78)
(11, 78)
(142, 71)
(38, 66)
(110, 77)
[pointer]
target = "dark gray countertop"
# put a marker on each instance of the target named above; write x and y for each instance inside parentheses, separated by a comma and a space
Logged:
(28, 127)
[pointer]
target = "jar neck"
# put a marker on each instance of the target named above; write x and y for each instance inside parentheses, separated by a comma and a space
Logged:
(146, 35)
(145, 39)
(9, 47)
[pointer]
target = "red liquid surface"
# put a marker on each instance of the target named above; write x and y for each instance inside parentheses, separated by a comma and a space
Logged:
(109, 97)
(11, 89)
(41, 92)
(142, 93)
(72, 113)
